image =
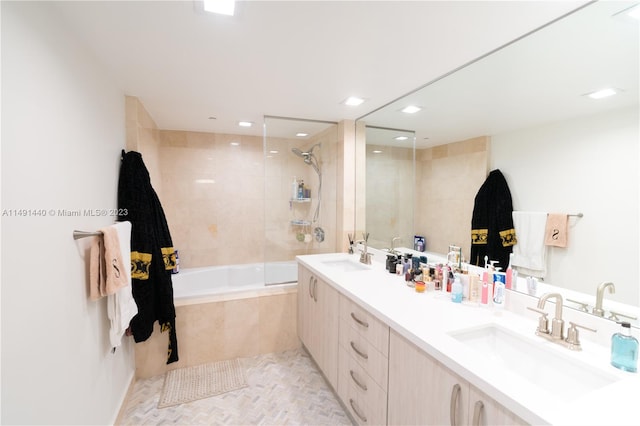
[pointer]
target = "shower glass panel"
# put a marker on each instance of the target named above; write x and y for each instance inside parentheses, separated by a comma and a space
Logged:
(300, 193)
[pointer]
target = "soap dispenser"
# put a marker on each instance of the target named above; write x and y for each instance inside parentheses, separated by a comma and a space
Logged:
(456, 290)
(624, 349)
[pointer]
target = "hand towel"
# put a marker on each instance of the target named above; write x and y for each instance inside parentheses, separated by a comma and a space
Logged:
(529, 253)
(97, 270)
(557, 230)
(121, 307)
(115, 277)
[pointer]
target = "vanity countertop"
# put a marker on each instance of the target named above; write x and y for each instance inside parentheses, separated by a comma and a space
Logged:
(426, 319)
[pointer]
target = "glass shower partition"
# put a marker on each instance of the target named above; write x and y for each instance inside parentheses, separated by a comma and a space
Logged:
(299, 193)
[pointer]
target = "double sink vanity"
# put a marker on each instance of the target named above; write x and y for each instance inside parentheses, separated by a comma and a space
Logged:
(395, 356)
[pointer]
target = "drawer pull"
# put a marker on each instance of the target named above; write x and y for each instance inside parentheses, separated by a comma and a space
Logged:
(477, 412)
(455, 394)
(355, 410)
(360, 385)
(310, 284)
(359, 321)
(363, 355)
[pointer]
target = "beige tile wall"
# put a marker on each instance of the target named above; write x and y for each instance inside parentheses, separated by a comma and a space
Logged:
(226, 204)
(448, 178)
(216, 331)
(390, 193)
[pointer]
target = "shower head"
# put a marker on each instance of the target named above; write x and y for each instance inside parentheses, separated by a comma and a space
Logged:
(305, 154)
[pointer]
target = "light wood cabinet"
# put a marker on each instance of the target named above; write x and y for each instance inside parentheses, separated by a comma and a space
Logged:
(363, 364)
(318, 322)
(422, 391)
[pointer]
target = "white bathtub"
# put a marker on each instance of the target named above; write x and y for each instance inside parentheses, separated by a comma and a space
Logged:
(215, 283)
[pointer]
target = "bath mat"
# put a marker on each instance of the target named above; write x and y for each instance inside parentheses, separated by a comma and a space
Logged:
(202, 381)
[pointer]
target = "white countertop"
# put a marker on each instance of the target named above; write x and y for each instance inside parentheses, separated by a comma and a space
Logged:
(426, 319)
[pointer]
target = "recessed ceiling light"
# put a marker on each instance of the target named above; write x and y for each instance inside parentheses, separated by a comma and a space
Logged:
(377, 151)
(401, 138)
(205, 181)
(222, 7)
(235, 144)
(245, 123)
(273, 151)
(411, 109)
(302, 134)
(603, 93)
(353, 101)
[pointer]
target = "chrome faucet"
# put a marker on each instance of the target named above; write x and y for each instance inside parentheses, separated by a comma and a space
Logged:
(600, 294)
(556, 334)
(393, 250)
(365, 257)
(557, 324)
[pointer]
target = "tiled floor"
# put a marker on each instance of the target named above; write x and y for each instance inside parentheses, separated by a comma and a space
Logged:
(283, 389)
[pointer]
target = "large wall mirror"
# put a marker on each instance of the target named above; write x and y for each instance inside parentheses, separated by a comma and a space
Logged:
(525, 109)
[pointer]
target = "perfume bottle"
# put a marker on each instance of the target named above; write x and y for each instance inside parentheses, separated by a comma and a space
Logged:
(624, 349)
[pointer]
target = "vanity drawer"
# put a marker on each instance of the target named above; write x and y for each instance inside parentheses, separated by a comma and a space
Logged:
(365, 400)
(364, 354)
(371, 328)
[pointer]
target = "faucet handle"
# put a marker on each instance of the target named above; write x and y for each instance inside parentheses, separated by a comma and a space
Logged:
(573, 336)
(543, 321)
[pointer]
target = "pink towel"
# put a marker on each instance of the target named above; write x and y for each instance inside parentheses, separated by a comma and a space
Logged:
(556, 232)
(107, 273)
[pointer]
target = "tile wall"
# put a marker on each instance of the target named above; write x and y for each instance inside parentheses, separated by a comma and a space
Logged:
(448, 178)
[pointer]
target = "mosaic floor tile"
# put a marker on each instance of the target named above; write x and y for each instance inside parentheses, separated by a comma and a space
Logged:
(283, 389)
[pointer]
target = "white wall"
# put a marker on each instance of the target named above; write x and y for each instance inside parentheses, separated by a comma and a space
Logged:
(63, 126)
(587, 165)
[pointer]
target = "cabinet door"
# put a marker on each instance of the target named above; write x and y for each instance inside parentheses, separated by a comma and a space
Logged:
(326, 325)
(305, 307)
(421, 390)
(485, 411)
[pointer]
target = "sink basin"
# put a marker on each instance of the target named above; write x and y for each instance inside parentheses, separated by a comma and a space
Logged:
(346, 265)
(563, 377)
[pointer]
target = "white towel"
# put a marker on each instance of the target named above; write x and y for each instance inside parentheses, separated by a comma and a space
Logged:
(530, 252)
(120, 306)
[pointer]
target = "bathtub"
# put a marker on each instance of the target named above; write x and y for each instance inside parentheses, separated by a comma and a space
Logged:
(226, 312)
(215, 283)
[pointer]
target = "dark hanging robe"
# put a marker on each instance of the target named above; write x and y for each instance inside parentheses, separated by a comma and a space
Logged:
(492, 232)
(152, 253)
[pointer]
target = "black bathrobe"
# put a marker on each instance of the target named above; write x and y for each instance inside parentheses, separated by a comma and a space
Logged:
(152, 253)
(492, 231)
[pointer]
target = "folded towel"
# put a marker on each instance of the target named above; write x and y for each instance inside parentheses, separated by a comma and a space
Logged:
(97, 270)
(557, 230)
(530, 253)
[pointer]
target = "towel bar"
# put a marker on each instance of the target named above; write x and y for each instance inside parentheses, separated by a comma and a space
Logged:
(84, 234)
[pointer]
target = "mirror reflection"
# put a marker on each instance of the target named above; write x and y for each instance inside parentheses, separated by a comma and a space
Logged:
(527, 111)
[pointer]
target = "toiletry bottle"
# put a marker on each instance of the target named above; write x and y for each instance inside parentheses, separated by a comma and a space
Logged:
(498, 294)
(474, 288)
(512, 275)
(484, 299)
(301, 189)
(456, 290)
(294, 189)
(624, 349)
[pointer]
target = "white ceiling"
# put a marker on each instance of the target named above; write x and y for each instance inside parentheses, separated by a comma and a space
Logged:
(538, 80)
(294, 58)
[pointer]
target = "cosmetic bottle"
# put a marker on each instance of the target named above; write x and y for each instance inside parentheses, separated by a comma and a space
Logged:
(301, 189)
(498, 294)
(456, 290)
(294, 189)
(512, 274)
(474, 288)
(624, 349)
